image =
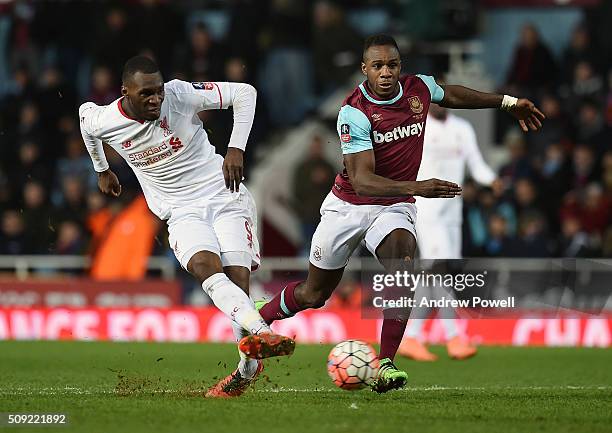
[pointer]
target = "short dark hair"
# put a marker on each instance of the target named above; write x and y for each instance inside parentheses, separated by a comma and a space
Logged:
(378, 40)
(141, 64)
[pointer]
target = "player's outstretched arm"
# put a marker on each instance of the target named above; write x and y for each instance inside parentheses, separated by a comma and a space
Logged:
(523, 110)
(360, 169)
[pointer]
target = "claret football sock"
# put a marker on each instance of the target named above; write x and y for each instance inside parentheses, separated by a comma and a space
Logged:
(282, 305)
(391, 337)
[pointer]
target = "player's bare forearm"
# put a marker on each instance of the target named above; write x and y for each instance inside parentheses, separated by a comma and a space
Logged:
(360, 168)
(523, 110)
(372, 185)
(464, 97)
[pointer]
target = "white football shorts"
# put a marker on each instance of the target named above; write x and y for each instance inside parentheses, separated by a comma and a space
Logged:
(345, 225)
(225, 224)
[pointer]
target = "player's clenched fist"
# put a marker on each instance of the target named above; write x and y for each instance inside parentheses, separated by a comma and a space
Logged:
(436, 188)
(109, 183)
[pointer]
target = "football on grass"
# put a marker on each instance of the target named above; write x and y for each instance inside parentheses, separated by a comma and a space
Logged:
(352, 364)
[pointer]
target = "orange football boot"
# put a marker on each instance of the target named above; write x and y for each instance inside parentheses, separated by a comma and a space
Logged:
(414, 349)
(458, 348)
(234, 385)
(260, 346)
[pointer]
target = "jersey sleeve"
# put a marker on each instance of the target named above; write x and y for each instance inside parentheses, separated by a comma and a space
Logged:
(191, 98)
(436, 92)
(479, 169)
(88, 121)
(199, 96)
(354, 130)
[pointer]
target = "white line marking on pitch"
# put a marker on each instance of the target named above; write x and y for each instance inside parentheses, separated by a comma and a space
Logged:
(72, 390)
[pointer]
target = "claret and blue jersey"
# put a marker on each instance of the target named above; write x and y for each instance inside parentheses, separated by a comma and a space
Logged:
(394, 129)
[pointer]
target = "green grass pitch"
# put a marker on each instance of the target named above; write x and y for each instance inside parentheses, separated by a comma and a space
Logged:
(145, 387)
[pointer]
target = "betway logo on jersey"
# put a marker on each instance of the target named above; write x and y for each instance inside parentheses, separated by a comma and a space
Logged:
(399, 132)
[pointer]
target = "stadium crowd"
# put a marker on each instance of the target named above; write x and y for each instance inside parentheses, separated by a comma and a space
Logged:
(557, 199)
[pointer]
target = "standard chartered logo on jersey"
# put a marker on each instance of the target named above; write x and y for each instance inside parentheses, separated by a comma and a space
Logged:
(399, 132)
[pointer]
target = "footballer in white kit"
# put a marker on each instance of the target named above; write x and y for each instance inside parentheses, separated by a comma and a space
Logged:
(211, 219)
(450, 145)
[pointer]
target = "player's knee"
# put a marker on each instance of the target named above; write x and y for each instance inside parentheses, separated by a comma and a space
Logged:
(239, 276)
(203, 266)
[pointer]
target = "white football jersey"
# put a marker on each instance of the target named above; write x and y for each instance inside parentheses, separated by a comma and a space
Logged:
(449, 146)
(172, 157)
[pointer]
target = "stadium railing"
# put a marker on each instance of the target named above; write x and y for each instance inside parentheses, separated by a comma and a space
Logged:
(24, 266)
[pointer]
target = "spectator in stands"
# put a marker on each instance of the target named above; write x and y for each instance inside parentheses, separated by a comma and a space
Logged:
(24, 53)
(519, 165)
(286, 82)
(533, 66)
(165, 18)
(30, 165)
(497, 244)
(12, 234)
(116, 41)
(30, 126)
(532, 239)
(469, 246)
(555, 130)
(587, 83)
(478, 218)
(245, 26)
(38, 218)
(70, 238)
(202, 59)
(312, 179)
(555, 177)
(574, 241)
(591, 127)
(336, 47)
(73, 206)
(75, 163)
(580, 49)
(104, 89)
(5, 192)
(584, 168)
(595, 210)
(526, 198)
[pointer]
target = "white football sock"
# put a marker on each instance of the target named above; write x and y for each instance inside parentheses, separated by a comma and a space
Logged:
(447, 315)
(232, 300)
(418, 314)
(413, 330)
(450, 328)
(246, 366)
